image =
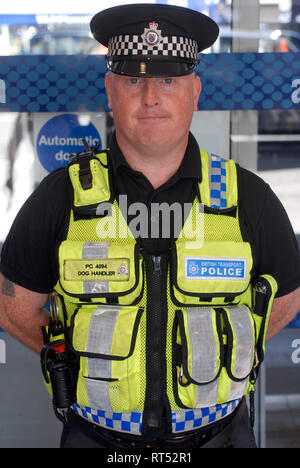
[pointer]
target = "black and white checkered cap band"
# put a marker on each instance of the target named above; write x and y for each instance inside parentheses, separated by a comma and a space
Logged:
(169, 46)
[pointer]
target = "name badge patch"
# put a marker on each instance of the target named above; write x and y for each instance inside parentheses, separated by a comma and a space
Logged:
(215, 268)
(104, 269)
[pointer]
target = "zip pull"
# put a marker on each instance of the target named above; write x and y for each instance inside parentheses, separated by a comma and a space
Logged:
(157, 265)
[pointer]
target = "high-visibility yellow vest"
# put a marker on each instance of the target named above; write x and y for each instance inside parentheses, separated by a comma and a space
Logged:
(161, 337)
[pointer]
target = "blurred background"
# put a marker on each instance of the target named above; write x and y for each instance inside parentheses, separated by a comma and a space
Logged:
(40, 42)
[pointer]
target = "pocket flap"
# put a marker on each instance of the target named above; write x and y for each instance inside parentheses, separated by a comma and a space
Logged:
(216, 269)
(105, 332)
(100, 269)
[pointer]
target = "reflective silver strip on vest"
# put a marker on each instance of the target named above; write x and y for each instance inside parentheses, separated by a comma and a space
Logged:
(245, 345)
(95, 250)
(204, 354)
(99, 340)
(237, 389)
(98, 393)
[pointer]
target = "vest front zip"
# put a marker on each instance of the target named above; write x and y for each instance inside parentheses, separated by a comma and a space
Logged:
(156, 270)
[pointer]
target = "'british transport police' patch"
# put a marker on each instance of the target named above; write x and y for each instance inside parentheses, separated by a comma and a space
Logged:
(203, 268)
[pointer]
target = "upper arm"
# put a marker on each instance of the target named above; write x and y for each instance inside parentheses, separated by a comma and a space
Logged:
(268, 228)
(28, 255)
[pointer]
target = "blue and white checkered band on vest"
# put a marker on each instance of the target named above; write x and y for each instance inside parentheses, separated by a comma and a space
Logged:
(182, 421)
(217, 181)
(151, 43)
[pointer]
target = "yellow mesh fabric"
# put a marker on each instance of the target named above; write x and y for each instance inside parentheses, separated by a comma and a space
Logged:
(88, 230)
(115, 394)
(222, 228)
(169, 354)
(216, 228)
(211, 226)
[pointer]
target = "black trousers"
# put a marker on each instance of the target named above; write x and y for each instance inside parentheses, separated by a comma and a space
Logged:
(78, 433)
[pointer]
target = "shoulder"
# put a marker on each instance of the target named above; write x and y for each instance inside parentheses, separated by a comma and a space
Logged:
(251, 179)
(261, 211)
(254, 195)
(55, 181)
(53, 190)
(47, 204)
(29, 253)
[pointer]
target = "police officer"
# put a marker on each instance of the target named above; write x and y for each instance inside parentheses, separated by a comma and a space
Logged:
(162, 314)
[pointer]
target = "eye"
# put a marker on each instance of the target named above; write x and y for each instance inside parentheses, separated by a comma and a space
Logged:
(133, 80)
(168, 80)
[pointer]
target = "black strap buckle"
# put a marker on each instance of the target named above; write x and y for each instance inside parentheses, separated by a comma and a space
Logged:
(85, 175)
(83, 158)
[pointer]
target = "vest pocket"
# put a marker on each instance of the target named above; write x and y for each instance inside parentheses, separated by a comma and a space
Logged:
(215, 357)
(241, 342)
(111, 273)
(202, 347)
(107, 340)
(217, 272)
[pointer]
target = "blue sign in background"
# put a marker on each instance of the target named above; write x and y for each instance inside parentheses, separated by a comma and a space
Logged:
(62, 136)
(71, 83)
(250, 81)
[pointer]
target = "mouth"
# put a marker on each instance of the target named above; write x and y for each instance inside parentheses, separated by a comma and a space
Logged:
(152, 117)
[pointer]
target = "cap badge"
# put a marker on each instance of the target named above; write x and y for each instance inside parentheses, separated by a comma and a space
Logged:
(152, 35)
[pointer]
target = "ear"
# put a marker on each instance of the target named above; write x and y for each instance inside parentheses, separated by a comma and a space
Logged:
(108, 86)
(197, 90)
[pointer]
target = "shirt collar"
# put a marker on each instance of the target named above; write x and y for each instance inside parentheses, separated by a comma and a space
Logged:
(189, 168)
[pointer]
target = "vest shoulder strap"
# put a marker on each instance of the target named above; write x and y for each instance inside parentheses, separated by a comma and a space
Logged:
(218, 188)
(89, 175)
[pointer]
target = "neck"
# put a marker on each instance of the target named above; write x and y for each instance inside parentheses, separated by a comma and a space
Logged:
(158, 164)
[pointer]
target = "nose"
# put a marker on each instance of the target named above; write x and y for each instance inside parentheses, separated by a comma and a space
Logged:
(150, 93)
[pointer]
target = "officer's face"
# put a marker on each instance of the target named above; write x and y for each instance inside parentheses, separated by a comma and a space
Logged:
(152, 113)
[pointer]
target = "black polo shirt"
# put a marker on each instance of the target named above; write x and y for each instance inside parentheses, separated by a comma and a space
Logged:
(28, 255)
(181, 189)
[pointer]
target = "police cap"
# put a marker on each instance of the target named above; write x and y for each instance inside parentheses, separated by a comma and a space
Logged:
(153, 40)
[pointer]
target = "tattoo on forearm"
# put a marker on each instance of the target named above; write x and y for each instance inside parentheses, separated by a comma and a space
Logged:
(8, 288)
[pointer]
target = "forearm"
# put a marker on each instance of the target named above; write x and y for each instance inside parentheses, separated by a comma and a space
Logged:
(30, 334)
(276, 324)
(22, 314)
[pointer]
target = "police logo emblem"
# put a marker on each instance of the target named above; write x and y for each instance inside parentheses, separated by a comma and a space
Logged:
(152, 35)
(193, 269)
(123, 269)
